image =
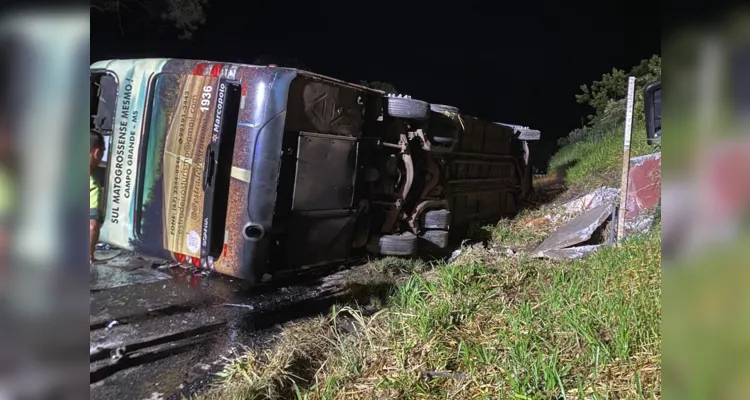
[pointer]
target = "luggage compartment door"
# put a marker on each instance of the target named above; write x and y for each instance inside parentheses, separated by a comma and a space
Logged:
(326, 172)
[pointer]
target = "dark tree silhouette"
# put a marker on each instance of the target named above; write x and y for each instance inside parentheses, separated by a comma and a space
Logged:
(384, 86)
(186, 15)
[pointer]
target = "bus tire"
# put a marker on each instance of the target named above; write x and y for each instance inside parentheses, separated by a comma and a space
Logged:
(437, 219)
(401, 107)
(442, 108)
(394, 245)
(436, 239)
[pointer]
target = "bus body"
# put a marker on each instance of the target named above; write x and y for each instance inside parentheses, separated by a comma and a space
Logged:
(253, 170)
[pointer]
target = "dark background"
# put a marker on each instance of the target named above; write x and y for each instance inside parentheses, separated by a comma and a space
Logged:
(486, 58)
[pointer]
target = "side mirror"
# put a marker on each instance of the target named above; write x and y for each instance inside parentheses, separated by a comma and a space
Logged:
(652, 107)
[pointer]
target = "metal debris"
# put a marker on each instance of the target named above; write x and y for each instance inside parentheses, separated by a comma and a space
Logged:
(641, 224)
(644, 185)
(117, 354)
(111, 325)
(571, 253)
(454, 256)
(578, 230)
(523, 132)
(168, 265)
(593, 209)
(601, 196)
(96, 349)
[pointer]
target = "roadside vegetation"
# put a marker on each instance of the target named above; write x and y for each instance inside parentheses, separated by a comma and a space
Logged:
(591, 156)
(493, 323)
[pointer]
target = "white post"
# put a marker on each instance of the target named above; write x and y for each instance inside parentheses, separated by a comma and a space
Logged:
(625, 160)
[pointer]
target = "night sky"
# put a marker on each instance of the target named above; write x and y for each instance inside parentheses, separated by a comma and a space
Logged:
(482, 57)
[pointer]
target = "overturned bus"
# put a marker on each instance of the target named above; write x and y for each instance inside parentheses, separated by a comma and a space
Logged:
(254, 170)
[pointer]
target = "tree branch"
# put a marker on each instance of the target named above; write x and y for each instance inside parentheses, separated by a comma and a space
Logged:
(119, 19)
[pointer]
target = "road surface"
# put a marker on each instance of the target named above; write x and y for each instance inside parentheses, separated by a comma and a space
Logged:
(158, 332)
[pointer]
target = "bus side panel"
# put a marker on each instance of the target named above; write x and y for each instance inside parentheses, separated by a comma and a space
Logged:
(314, 217)
(483, 174)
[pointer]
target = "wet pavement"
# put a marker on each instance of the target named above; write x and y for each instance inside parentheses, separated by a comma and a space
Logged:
(159, 331)
(120, 268)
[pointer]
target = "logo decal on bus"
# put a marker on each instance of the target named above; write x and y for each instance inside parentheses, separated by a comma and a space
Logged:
(205, 232)
(193, 241)
(221, 98)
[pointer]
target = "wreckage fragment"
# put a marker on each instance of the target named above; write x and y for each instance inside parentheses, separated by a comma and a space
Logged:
(578, 230)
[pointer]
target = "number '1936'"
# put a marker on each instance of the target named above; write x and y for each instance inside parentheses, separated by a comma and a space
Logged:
(206, 98)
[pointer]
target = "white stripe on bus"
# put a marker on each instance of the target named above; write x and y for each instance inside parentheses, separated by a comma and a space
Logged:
(241, 174)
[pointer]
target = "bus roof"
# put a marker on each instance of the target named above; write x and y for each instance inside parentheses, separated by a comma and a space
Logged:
(106, 64)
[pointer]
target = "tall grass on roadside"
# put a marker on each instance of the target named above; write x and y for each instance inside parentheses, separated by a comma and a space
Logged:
(523, 328)
(489, 326)
(275, 373)
(592, 163)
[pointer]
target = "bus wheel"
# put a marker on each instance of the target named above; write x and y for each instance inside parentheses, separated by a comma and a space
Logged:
(434, 239)
(443, 109)
(402, 107)
(394, 245)
(437, 219)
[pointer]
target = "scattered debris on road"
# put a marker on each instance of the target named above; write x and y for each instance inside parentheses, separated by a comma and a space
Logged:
(115, 268)
(117, 354)
(248, 306)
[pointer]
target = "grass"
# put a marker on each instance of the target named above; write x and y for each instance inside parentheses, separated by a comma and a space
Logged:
(597, 161)
(499, 326)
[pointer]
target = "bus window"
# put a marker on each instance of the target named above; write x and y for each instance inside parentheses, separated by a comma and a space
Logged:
(103, 95)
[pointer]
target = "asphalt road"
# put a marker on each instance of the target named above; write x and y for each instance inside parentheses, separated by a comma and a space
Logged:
(159, 332)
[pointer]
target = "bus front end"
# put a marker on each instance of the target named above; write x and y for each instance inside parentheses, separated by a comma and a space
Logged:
(192, 159)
